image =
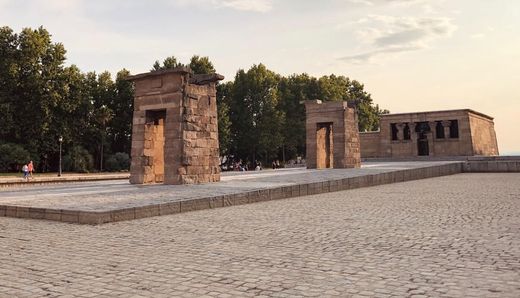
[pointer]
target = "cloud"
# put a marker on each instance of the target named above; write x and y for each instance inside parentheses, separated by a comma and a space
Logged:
(369, 56)
(249, 5)
(241, 5)
(388, 34)
(482, 34)
(382, 2)
(427, 6)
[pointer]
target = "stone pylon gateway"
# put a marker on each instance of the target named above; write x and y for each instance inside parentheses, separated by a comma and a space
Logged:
(332, 135)
(175, 132)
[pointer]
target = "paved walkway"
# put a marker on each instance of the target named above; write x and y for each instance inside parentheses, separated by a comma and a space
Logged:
(452, 236)
(119, 194)
(10, 181)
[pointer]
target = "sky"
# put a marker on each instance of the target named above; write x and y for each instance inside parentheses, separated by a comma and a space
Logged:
(411, 55)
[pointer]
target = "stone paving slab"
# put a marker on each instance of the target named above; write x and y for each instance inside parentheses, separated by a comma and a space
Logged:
(108, 201)
(451, 236)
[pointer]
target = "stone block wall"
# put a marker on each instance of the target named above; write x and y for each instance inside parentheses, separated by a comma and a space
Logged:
(369, 144)
(175, 132)
(475, 135)
(483, 137)
(343, 135)
(352, 156)
(200, 161)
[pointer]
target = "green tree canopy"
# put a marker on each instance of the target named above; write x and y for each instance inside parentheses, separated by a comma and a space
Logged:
(256, 118)
(201, 65)
(267, 115)
(168, 63)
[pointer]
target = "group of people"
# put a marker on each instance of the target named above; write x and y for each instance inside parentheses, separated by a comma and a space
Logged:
(28, 170)
(240, 166)
(276, 164)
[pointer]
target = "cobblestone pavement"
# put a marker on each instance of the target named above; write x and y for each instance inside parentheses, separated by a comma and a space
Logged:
(453, 236)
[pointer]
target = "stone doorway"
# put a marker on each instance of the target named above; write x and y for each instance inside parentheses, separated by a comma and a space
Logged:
(422, 144)
(154, 146)
(324, 146)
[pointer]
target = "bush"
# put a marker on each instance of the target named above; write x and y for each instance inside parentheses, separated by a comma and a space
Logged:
(118, 162)
(12, 156)
(78, 160)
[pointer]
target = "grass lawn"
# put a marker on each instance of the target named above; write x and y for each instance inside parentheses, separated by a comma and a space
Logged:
(20, 174)
(10, 174)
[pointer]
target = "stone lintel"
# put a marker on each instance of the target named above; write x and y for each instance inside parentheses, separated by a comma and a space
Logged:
(202, 79)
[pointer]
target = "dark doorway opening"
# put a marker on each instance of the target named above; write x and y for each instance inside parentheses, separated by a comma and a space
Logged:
(439, 130)
(324, 146)
(406, 132)
(454, 129)
(422, 144)
(393, 128)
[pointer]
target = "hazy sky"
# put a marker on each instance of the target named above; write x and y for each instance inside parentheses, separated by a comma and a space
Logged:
(412, 55)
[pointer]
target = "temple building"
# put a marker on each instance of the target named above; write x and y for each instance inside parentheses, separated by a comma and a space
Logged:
(437, 133)
(332, 135)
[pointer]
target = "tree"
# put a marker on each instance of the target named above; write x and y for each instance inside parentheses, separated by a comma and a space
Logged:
(295, 89)
(104, 115)
(340, 88)
(12, 156)
(201, 65)
(31, 88)
(78, 159)
(168, 63)
(224, 122)
(256, 119)
(123, 103)
(8, 84)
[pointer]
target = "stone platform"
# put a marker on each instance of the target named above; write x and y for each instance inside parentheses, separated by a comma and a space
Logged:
(108, 201)
(50, 179)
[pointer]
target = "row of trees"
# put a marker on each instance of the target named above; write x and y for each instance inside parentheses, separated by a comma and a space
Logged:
(262, 116)
(41, 99)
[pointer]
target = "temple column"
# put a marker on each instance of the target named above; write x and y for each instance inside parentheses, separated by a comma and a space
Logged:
(431, 137)
(413, 138)
(400, 131)
(446, 125)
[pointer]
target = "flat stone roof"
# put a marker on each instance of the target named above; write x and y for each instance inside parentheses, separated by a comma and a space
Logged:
(181, 70)
(198, 79)
(439, 112)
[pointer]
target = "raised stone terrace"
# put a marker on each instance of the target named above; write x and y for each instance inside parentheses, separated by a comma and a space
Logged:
(107, 201)
(99, 202)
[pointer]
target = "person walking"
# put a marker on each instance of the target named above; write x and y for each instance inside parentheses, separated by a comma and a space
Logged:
(30, 168)
(25, 170)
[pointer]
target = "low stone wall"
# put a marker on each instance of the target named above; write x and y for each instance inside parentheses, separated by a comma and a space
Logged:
(492, 164)
(63, 179)
(370, 144)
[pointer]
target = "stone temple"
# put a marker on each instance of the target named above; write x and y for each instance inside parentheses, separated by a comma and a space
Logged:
(438, 133)
(175, 132)
(332, 136)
